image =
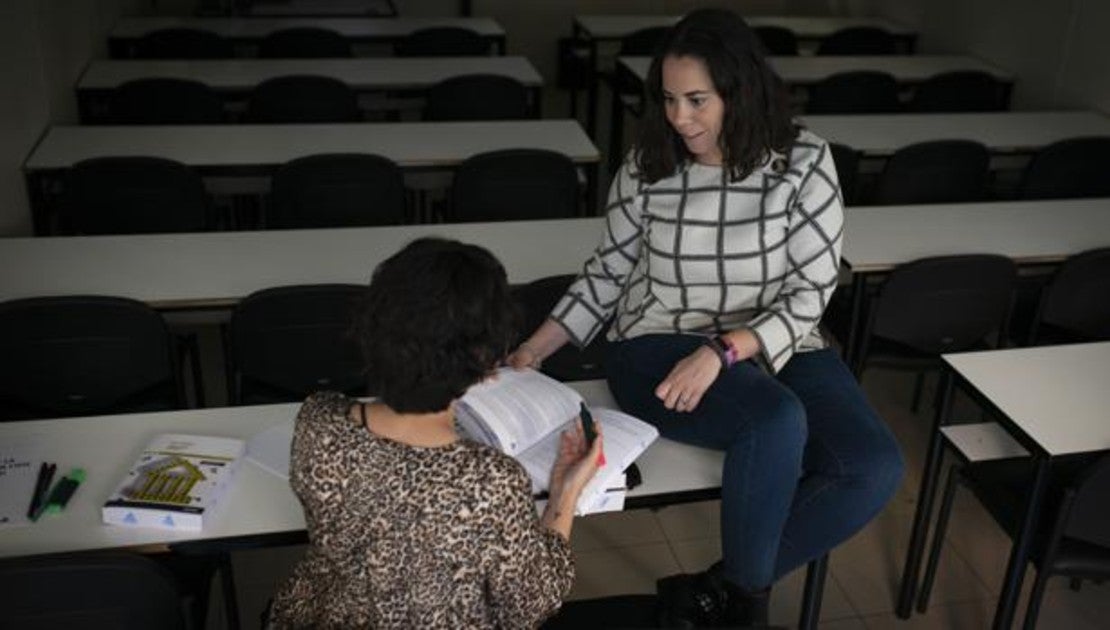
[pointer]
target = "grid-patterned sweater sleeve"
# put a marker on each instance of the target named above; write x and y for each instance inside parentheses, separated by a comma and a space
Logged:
(591, 299)
(814, 237)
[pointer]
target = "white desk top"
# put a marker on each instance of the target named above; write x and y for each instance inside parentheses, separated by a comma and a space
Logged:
(1057, 395)
(410, 144)
(811, 69)
(219, 268)
(876, 238)
(258, 27)
(361, 73)
(1001, 132)
(258, 502)
(805, 27)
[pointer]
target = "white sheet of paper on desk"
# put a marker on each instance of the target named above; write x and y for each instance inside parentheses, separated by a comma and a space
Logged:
(20, 459)
(270, 449)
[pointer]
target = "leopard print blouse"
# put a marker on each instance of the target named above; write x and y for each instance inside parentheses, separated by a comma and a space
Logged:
(414, 537)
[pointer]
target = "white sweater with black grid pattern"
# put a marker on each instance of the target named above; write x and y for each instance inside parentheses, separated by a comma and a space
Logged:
(696, 253)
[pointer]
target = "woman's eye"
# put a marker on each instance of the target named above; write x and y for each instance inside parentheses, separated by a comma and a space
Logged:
(697, 101)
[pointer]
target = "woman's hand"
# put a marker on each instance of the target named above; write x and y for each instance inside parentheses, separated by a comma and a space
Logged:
(688, 380)
(523, 357)
(576, 463)
(548, 338)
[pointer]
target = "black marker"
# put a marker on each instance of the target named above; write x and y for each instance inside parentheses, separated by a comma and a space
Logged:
(590, 430)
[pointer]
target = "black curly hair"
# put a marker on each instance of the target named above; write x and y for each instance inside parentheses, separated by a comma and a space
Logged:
(757, 111)
(436, 319)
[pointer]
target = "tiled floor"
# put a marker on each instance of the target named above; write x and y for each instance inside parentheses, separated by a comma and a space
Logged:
(626, 552)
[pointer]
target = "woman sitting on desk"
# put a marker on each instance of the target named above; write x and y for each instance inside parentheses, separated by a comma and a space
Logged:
(410, 526)
(719, 255)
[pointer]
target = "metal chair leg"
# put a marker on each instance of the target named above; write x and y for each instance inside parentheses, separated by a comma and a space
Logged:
(938, 539)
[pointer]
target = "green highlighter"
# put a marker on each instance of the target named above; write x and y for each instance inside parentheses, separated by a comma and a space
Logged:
(63, 490)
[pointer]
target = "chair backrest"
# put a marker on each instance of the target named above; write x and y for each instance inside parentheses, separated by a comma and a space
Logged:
(1089, 518)
(477, 97)
(643, 42)
(286, 342)
(133, 195)
(1069, 168)
(513, 185)
(84, 355)
(302, 99)
(940, 171)
(165, 102)
(304, 43)
(944, 304)
(859, 40)
(182, 43)
(960, 91)
(569, 363)
(117, 590)
(1077, 299)
(777, 40)
(846, 159)
(442, 41)
(856, 92)
(337, 190)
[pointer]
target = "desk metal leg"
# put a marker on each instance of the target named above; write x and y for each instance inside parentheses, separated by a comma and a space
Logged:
(814, 589)
(591, 99)
(925, 496)
(1019, 555)
(616, 129)
(855, 323)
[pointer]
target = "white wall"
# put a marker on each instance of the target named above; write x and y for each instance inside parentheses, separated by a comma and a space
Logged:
(1058, 49)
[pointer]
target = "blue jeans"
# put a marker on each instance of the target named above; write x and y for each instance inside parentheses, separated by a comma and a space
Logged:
(807, 461)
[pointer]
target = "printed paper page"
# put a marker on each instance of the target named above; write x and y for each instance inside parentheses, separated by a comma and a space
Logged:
(518, 408)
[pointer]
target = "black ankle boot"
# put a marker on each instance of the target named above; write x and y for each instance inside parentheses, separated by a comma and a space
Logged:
(691, 600)
(745, 609)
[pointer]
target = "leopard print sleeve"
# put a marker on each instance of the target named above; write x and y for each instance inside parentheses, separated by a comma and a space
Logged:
(531, 568)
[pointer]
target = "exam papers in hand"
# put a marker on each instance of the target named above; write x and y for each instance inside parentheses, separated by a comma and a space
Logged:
(176, 482)
(523, 412)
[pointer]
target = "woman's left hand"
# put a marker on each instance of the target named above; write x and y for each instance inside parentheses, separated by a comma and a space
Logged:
(689, 379)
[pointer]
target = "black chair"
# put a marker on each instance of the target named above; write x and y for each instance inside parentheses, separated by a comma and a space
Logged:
(119, 591)
(1075, 306)
(936, 305)
(337, 190)
(514, 185)
(569, 363)
(165, 102)
(1067, 169)
(85, 355)
(846, 159)
(960, 91)
(477, 97)
(133, 195)
(182, 43)
(302, 99)
(859, 40)
(286, 342)
(856, 92)
(304, 43)
(777, 40)
(442, 41)
(1071, 539)
(941, 171)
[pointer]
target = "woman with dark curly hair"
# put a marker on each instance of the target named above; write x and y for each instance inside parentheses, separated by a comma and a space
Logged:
(409, 525)
(719, 255)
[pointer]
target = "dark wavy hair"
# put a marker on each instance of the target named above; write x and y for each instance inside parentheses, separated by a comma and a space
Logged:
(756, 106)
(436, 319)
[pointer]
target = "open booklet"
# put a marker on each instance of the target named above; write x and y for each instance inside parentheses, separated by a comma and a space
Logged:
(523, 412)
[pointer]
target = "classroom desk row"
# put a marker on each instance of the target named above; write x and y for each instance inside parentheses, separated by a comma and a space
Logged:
(802, 72)
(217, 269)
(234, 79)
(249, 151)
(260, 505)
(251, 31)
(597, 30)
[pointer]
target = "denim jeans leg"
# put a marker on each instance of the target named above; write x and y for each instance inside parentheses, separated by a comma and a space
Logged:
(756, 421)
(852, 464)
